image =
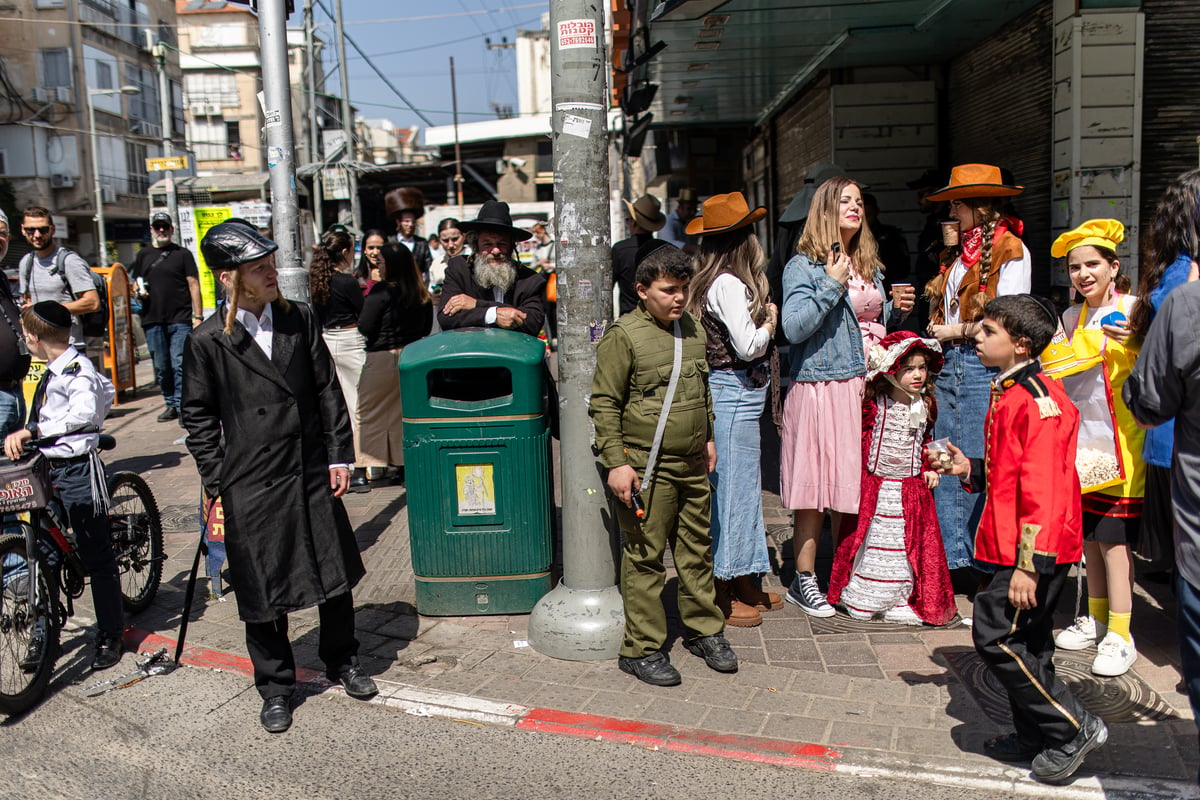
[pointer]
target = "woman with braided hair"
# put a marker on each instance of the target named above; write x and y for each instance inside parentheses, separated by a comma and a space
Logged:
(987, 261)
(337, 299)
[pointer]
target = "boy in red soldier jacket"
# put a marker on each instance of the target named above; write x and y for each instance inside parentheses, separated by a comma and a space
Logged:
(1031, 531)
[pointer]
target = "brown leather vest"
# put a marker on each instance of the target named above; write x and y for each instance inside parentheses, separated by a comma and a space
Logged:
(970, 299)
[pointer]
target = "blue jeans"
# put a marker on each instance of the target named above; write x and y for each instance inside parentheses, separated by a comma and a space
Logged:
(12, 410)
(166, 343)
(963, 394)
(739, 538)
(1188, 622)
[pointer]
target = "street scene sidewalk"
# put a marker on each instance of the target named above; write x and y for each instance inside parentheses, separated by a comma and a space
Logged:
(836, 694)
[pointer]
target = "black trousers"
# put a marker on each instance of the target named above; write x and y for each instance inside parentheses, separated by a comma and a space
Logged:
(271, 654)
(1018, 646)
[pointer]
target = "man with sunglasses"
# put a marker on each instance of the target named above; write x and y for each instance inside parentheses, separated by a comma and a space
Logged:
(47, 275)
(169, 284)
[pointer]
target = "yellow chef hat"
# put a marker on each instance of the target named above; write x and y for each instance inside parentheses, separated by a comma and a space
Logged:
(1097, 232)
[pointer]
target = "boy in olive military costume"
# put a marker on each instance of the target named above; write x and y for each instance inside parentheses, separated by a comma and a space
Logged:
(633, 368)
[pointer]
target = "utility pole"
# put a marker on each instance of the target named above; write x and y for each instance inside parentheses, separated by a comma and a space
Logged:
(458, 178)
(168, 133)
(315, 156)
(347, 123)
(281, 148)
(582, 619)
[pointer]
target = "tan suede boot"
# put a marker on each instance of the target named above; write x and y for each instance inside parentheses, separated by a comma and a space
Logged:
(748, 589)
(737, 614)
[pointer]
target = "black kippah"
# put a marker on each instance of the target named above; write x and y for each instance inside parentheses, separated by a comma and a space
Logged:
(53, 314)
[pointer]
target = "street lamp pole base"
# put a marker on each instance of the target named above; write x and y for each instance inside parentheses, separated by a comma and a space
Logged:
(578, 624)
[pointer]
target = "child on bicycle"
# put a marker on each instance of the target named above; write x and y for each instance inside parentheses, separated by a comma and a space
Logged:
(70, 404)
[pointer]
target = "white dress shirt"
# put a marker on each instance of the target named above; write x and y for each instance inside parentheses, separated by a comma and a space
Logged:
(76, 397)
(729, 301)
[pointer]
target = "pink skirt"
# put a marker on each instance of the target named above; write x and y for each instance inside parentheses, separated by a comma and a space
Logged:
(821, 460)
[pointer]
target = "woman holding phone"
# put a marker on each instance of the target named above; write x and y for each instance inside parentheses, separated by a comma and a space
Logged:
(834, 309)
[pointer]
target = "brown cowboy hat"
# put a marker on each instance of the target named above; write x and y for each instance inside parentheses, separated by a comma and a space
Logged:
(722, 213)
(975, 180)
(404, 198)
(646, 211)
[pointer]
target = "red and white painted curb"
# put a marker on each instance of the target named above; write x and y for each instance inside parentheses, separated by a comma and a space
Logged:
(1004, 780)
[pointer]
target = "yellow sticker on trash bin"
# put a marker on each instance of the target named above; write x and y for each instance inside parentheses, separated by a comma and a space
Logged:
(476, 489)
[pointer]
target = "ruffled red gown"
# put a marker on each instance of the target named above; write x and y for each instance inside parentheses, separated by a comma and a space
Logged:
(895, 554)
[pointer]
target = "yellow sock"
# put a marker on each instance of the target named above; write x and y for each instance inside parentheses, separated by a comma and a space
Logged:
(1098, 608)
(1119, 624)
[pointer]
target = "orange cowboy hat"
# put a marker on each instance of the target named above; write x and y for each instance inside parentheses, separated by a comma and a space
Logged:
(722, 213)
(975, 180)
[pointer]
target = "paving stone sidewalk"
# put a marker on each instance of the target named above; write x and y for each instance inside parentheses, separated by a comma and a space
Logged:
(905, 695)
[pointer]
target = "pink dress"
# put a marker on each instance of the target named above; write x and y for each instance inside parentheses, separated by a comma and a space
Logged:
(821, 457)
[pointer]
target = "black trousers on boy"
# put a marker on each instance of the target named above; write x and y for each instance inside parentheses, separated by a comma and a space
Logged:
(1018, 646)
(271, 654)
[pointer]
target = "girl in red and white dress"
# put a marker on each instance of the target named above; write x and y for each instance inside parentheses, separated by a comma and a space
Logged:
(894, 563)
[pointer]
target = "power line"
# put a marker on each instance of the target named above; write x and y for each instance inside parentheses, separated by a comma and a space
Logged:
(463, 13)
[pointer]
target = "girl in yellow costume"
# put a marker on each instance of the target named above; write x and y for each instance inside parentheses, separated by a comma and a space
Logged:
(1098, 327)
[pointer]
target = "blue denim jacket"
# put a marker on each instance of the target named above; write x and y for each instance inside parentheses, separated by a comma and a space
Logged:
(820, 323)
(1160, 441)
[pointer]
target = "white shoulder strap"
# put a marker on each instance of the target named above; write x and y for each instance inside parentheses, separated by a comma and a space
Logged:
(672, 385)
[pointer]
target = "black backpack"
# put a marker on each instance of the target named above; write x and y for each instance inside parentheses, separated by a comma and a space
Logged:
(93, 323)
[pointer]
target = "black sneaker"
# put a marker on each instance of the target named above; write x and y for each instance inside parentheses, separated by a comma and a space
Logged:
(806, 593)
(168, 414)
(654, 669)
(1010, 748)
(1056, 764)
(715, 651)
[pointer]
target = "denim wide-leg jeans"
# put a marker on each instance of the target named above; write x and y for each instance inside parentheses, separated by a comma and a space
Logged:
(739, 537)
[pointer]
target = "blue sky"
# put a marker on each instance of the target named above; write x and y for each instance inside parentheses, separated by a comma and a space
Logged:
(411, 42)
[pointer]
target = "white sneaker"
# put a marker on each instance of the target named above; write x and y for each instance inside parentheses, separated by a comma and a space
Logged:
(902, 615)
(1082, 634)
(1114, 656)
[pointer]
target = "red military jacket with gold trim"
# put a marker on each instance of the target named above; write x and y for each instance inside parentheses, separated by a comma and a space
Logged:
(1032, 518)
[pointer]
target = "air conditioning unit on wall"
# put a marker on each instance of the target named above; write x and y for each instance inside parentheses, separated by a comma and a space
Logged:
(60, 181)
(108, 194)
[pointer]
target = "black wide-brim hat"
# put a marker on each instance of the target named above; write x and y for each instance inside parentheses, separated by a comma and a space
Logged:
(232, 243)
(495, 216)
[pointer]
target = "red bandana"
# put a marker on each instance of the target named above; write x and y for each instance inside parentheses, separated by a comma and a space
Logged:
(972, 240)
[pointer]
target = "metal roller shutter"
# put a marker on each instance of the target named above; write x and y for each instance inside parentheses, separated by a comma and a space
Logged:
(1170, 98)
(802, 137)
(1000, 96)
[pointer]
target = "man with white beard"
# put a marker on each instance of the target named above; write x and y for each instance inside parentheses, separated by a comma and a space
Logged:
(492, 289)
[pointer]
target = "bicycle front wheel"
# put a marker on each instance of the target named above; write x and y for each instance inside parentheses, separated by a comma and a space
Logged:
(28, 630)
(137, 539)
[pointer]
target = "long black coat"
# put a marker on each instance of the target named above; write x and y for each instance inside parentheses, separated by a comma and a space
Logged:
(527, 294)
(263, 433)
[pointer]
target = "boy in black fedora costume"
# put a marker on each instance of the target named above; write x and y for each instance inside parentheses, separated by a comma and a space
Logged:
(270, 433)
(493, 289)
(404, 206)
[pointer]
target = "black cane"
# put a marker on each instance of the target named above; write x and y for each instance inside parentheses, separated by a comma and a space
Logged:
(190, 593)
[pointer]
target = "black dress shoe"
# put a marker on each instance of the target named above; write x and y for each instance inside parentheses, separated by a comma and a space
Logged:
(1010, 748)
(168, 414)
(357, 683)
(358, 481)
(108, 652)
(715, 651)
(654, 669)
(276, 714)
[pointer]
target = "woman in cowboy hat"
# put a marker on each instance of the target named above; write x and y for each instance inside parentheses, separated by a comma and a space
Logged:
(731, 298)
(990, 260)
(833, 310)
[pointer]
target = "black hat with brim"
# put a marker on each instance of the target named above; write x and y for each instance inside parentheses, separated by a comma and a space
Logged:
(495, 216)
(232, 243)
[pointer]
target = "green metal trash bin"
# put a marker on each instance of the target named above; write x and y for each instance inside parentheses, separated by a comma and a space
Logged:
(477, 470)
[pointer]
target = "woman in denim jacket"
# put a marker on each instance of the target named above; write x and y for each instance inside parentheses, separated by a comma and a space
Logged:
(833, 309)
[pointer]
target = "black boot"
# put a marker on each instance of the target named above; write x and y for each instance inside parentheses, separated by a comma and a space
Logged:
(358, 481)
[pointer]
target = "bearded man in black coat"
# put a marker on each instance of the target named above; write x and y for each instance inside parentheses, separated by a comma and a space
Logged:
(493, 289)
(271, 436)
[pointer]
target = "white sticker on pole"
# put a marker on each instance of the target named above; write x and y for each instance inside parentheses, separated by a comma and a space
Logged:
(576, 33)
(272, 118)
(575, 125)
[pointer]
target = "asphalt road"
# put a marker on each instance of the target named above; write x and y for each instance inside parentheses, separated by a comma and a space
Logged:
(195, 734)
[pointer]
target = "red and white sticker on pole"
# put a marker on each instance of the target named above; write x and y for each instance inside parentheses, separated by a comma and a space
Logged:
(576, 33)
